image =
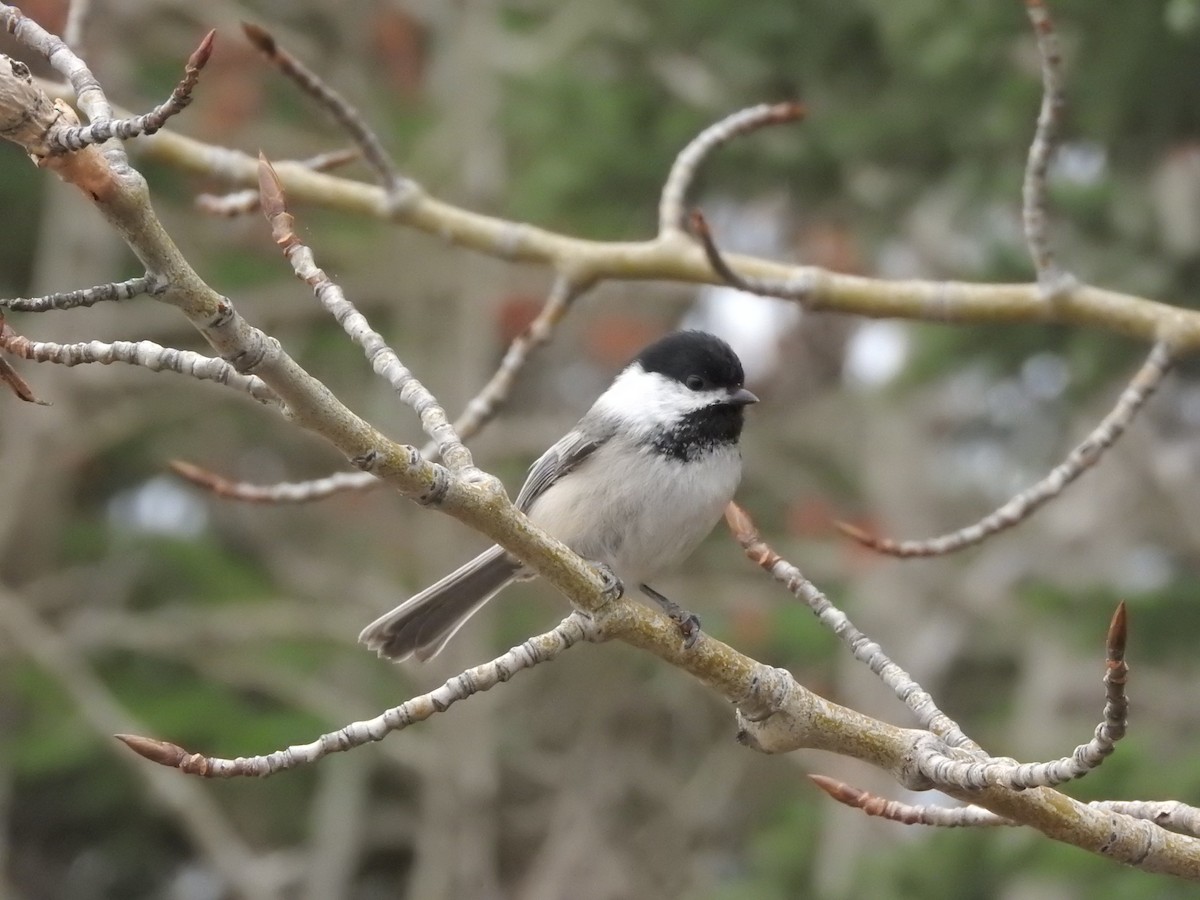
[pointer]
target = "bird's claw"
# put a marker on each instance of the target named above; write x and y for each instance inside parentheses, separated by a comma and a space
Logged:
(689, 627)
(687, 623)
(613, 589)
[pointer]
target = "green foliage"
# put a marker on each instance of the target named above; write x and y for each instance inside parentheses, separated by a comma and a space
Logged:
(47, 741)
(778, 859)
(17, 191)
(797, 641)
(1162, 622)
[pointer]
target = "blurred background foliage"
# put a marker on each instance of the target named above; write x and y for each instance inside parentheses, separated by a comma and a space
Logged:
(128, 601)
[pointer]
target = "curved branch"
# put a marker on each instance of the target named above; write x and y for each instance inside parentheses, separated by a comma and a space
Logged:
(798, 288)
(944, 769)
(683, 170)
(1030, 500)
(669, 257)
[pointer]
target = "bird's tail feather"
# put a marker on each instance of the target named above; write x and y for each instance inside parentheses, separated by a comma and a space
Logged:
(422, 624)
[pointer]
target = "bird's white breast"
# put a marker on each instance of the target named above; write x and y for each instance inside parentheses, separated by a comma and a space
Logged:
(646, 513)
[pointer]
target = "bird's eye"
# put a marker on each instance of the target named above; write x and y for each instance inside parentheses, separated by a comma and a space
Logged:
(695, 383)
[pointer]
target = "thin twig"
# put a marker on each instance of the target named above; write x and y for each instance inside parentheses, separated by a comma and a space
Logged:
(798, 287)
(1169, 814)
(118, 290)
(1026, 503)
(683, 170)
(1051, 279)
(975, 774)
(147, 354)
(68, 140)
(539, 649)
(916, 698)
(13, 380)
(484, 406)
(281, 492)
(240, 203)
(907, 813)
(383, 358)
(479, 411)
(85, 86)
(398, 188)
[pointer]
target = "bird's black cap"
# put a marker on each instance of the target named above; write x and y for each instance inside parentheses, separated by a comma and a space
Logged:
(686, 353)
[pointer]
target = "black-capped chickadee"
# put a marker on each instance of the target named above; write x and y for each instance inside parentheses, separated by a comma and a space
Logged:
(635, 486)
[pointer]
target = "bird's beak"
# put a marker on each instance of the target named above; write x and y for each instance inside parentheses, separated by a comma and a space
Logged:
(742, 397)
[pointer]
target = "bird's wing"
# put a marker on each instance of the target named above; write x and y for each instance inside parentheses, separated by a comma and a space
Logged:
(572, 449)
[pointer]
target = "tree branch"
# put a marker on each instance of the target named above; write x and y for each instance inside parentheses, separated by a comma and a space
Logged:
(383, 359)
(1052, 280)
(866, 651)
(1145, 382)
(397, 186)
(146, 354)
(542, 648)
(118, 290)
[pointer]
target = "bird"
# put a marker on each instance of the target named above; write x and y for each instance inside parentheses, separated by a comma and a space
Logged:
(634, 488)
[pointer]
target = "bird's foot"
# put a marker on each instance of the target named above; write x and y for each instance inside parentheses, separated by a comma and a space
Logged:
(688, 623)
(613, 588)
